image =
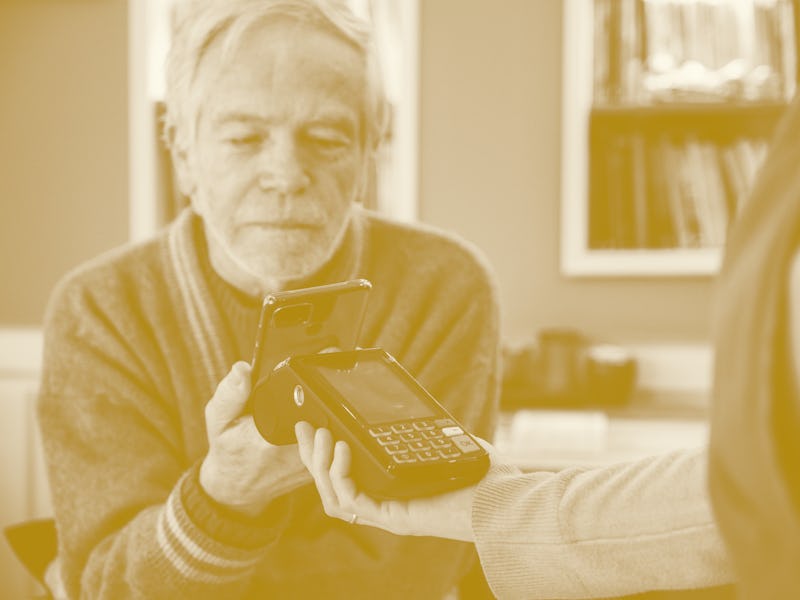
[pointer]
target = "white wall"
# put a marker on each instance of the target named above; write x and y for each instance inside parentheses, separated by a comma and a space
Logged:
(63, 143)
(490, 170)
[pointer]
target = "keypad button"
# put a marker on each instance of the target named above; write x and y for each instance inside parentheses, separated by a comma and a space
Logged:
(465, 443)
(385, 440)
(402, 427)
(432, 434)
(404, 457)
(418, 446)
(440, 443)
(410, 437)
(379, 431)
(428, 455)
(449, 452)
(396, 448)
(444, 423)
(451, 431)
(423, 425)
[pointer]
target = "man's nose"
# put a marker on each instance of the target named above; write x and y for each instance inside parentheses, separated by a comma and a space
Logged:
(281, 166)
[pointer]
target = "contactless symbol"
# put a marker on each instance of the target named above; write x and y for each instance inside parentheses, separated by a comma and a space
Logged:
(299, 395)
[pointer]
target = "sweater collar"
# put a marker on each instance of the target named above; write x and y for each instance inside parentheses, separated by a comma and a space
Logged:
(230, 316)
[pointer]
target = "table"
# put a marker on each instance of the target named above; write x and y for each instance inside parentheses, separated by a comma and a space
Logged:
(653, 423)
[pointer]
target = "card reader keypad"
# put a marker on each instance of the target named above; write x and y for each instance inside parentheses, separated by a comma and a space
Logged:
(423, 440)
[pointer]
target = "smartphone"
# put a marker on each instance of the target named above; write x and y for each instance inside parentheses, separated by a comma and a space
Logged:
(306, 321)
(404, 443)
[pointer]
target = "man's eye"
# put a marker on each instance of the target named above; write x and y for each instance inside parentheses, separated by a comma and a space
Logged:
(329, 139)
(241, 141)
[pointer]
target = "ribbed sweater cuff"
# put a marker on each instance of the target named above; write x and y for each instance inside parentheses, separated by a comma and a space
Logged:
(202, 543)
(225, 526)
(501, 530)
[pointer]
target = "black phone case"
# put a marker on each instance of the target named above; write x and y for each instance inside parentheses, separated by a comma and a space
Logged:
(308, 320)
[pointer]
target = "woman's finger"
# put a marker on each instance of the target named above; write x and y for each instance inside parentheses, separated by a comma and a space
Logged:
(486, 445)
(321, 459)
(343, 486)
(304, 433)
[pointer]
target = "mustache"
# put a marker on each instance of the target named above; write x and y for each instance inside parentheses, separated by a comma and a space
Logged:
(293, 212)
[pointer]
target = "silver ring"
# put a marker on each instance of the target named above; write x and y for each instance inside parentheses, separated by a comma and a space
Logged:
(353, 519)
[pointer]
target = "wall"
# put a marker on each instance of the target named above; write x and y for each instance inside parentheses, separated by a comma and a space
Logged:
(63, 198)
(490, 169)
(490, 144)
(63, 148)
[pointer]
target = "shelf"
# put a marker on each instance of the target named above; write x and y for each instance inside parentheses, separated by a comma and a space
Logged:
(706, 109)
(641, 263)
(654, 422)
(718, 121)
(611, 222)
(553, 440)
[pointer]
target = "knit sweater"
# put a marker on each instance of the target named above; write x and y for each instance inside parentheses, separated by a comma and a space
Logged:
(135, 343)
(600, 532)
(755, 434)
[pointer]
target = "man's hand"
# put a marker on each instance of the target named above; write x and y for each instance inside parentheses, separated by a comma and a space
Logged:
(242, 470)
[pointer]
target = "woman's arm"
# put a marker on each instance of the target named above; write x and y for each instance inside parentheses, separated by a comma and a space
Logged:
(578, 533)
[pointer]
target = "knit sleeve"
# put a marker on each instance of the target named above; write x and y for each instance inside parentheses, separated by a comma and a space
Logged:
(597, 533)
(132, 519)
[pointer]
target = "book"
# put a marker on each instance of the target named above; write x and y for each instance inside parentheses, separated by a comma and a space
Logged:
(733, 171)
(640, 207)
(620, 193)
(661, 231)
(614, 91)
(788, 47)
(672, 171)
(688, 191)
(715, 188)
(696, 197)
(600, 67)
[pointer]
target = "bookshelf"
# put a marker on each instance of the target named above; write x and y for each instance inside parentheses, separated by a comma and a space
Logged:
(668, 108)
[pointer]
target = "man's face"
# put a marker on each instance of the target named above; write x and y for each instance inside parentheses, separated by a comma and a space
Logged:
(277, 157)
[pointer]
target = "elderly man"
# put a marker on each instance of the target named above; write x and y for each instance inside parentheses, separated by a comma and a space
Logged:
(161, 485)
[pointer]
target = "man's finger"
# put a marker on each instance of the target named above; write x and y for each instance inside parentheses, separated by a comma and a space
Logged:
(229, 399)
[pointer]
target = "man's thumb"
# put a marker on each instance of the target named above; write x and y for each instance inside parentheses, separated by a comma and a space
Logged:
(229, 399)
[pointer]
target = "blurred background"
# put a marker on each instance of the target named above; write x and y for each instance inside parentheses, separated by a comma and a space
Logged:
(594, 150)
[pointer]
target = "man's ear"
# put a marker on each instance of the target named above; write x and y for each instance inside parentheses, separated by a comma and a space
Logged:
(181, 161)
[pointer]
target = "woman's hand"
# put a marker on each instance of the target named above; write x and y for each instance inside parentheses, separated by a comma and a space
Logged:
(446, 516)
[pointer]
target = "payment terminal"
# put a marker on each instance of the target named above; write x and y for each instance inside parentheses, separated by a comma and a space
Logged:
(404, 443)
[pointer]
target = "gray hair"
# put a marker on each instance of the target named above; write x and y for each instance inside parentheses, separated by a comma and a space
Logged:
(198, 23)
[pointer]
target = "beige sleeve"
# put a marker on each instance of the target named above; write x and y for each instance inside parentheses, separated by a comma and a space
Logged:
(583, 533)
